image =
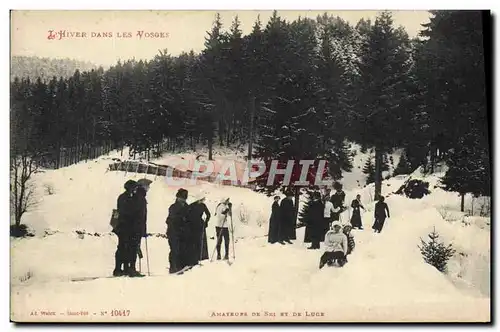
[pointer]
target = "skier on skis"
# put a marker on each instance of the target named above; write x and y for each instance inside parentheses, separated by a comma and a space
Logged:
(380, 214)
(356, 212)
(336, 245)
(223, 213)
(275, 228)
(128, 217)
(198, 250)
(176, 221)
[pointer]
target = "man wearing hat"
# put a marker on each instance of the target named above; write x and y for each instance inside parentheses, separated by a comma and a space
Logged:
(140, 229)
(335, 246)
(315, 227)
(176, 224)
(127, 219)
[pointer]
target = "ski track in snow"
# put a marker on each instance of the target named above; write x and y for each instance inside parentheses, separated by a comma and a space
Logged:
(384, 280)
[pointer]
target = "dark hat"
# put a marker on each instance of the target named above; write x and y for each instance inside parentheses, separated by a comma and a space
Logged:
(144, 182)
(337, 186)
(130, 185)
(182, 193)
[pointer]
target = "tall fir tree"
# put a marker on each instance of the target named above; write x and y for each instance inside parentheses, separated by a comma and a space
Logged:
(369, 170)
(382, 90)
(255, 63)
(452, 72)
(212, 73)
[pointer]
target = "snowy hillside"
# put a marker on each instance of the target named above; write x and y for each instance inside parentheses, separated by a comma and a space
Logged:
(356, 179)
(385, 279)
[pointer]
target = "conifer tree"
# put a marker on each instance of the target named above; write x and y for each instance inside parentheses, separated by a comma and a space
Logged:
(382, 87)
(369, 170)
(435, 252)
(403, 166)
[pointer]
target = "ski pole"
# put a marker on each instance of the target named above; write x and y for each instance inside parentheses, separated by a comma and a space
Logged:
(232, 235)
(201, 243)
(147, 254)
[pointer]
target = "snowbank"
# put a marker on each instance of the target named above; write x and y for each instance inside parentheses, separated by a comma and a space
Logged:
(376, 284)
(385, 279)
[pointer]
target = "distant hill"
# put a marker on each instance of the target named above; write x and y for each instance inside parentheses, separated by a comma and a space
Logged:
(45, 68)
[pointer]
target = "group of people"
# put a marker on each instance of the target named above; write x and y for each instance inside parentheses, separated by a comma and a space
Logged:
(380, 214)
(186, 230)
(187, 223)
(323, 223)
(340, 244)
(322, 212)
(282, 224)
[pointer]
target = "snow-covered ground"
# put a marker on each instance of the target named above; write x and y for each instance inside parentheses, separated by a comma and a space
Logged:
(385, 279)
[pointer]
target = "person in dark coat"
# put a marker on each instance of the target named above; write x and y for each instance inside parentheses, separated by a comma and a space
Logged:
(356, 212)
(327, 196)
(337, 200)
(316, 221)
(380, 214)
(307, 233)
(176, 228)
(288, 219)
(140, 230)
(128, 215)
(274, 235)
(198, 248)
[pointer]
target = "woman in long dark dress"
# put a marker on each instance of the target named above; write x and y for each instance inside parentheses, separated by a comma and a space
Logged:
(274, 222)
(288, 222)
(356, 213)
(198, 248)
(381, 212)
(315, 222)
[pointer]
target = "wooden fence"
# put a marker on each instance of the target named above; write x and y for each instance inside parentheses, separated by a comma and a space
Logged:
(133, 166)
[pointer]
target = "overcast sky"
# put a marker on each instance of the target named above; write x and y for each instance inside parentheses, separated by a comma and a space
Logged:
(186, 30)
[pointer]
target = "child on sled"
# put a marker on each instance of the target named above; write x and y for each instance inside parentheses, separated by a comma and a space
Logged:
(336, 246)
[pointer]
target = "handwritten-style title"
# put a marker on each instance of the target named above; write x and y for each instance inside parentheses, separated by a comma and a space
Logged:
(139, 34)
